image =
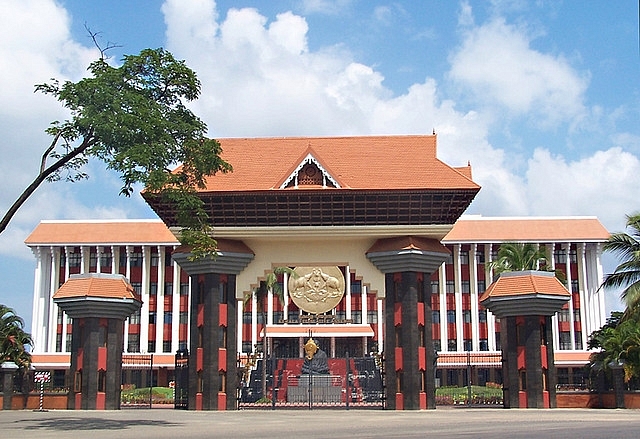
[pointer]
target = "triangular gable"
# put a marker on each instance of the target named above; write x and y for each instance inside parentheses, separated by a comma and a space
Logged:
(310, 172)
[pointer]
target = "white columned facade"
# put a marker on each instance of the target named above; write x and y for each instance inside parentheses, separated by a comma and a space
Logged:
(175, 304)
(457, 277)
(53, 307)
(586, 310)
(488, 280)
(442, 287)
(160, 291)
(567, 249)
(473, 288)
(380, 326)
(554, 319)
(40, 324)
(348, 292)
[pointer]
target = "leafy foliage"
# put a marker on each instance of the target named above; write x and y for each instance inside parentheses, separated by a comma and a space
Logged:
(627, 274)
(133, 118)
(13, 338)
(617, 342)
(518, 256)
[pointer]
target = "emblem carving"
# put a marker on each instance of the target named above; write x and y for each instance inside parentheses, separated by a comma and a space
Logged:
(317, 290)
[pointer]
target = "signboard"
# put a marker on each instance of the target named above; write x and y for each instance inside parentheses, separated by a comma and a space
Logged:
(42, 376)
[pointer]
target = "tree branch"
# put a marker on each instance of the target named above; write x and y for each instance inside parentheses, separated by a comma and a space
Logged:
(42, 176)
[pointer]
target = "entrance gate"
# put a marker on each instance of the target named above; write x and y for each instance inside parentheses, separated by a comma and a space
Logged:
(352, 382)
(137, 381)
(464, 379)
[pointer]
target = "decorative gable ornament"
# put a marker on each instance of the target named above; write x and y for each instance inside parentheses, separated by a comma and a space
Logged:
(310, 173)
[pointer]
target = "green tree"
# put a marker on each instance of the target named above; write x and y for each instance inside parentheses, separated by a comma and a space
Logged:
(627, 274)
(133, 118)
(617, 342)
(13, 338)
(261, 293)
(518, 256)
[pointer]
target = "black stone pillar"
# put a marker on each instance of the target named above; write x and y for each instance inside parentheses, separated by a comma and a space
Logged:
(409, 349)
(212, 361)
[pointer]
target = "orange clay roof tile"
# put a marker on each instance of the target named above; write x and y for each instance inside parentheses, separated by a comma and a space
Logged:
(524, 284)
(534, 229)
(365, 162)
(101, 232)
(106, 286)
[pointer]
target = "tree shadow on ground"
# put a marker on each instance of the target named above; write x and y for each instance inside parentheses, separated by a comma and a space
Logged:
(71, 424)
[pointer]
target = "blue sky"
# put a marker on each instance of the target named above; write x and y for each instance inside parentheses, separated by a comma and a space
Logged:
(542, 97)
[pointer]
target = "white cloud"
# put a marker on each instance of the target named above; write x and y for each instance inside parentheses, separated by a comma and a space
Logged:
(327, 7)
(497, 65)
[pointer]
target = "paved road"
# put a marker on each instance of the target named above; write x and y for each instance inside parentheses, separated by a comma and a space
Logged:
(334, 424)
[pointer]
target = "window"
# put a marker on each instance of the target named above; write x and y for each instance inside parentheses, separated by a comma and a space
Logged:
(451, 287)
(166, 346)
(560, 255)
(168, 318)
(167, 258)
(575, 286)
(356, 316)
(152, 318)
(573, 256)
(356, 287)
(133, 343)
(105, 260)
(466, 316)
(437, 345)
(155, 259)
(278, 316)
(246, 318)
(468, 346)
(93, 259)
(151, 346)
(136, 259)
(153, 288)
(134, 319)
(184, 317)
(466, 287)
(435, 287)
(576, 315)
(435, 316)
(565, 340)
(578, 339)
(484, 344)
(137, 287)
(452, 345)
(482, 316)
(372, 316)
(74, 259)
(168, 288)
(184, 289)
(451, 316)
(464, 257)
(246, 347)
(479, 257)
(482, 286)
(563, 315)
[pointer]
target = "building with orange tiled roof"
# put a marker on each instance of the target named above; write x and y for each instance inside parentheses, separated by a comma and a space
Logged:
(368, 205)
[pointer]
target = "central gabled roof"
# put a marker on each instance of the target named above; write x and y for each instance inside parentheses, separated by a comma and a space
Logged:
(362, 162)
(332, 181)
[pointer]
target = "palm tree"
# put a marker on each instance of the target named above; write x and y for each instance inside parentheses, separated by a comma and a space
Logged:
(617, 342)
(518, 256)
(270, 284)
(13, 338)
(627, 274)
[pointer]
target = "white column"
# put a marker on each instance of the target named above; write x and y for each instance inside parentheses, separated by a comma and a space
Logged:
(254, 322)
(380, 326)
(442, 286)
(586, 307)
(348, 292)
(99, 253)
(160, 292)
(67, 250)
(270, 306)
(473, 285)
(40, 325)
(457, 277)
(332, 342)
(285, 296)
(84, 259)
(363, 309)
(599, 277)
(115, 259)
(54, 281)
(239, 322)
(567, 249)
(175, 306)
(555, 332)
(488, 280)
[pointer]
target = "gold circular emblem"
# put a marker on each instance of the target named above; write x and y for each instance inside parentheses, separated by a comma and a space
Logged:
(316, 290)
